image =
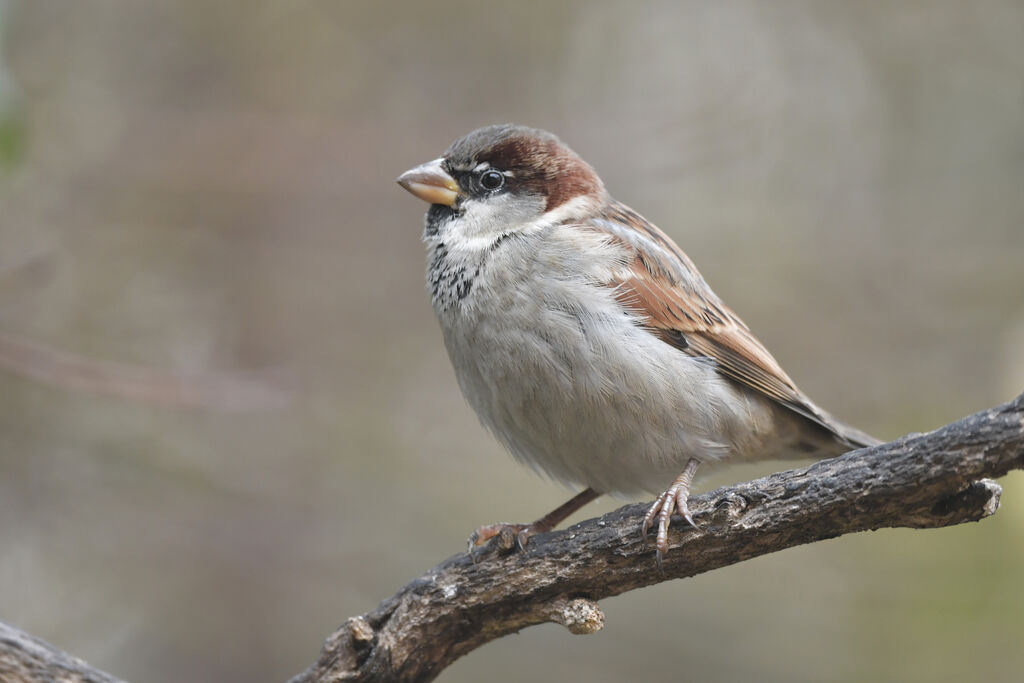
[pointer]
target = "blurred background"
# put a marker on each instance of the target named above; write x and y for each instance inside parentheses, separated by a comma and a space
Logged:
(227, 420)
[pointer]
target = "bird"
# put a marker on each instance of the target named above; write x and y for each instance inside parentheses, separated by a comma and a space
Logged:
(586, 340)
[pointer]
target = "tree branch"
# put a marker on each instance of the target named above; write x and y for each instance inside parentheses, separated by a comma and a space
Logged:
(26, 659)
(920, 481)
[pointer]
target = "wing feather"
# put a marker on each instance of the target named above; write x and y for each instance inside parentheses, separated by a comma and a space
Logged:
(660, 283)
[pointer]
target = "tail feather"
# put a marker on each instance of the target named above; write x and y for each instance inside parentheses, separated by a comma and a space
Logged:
(854, 437)
(850, 437)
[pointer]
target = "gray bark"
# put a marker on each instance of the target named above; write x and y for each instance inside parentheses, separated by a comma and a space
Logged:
(26, 659)
(919, 481)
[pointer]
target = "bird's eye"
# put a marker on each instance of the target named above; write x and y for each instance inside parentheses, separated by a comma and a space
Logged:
(491, 180)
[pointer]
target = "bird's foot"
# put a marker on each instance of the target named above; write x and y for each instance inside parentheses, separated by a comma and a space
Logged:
(518, 535)
(509, 536)
(675, 498)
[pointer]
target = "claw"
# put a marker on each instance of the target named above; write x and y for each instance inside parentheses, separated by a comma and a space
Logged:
(477, 539)
(683, 507)
(675, 498)
(508, 537)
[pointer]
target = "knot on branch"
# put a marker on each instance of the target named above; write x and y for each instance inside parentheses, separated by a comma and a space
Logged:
(976, 501)
(979, 500)
(347, 648)
(360, 631)
(730, 507)
(579, 615)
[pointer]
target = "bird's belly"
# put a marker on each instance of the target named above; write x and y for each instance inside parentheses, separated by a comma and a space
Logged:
(599, 401)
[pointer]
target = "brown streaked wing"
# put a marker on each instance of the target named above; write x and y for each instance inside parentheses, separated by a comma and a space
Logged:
(690, 317)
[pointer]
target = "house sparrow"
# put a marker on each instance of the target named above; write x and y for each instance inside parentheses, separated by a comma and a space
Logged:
(585, 339)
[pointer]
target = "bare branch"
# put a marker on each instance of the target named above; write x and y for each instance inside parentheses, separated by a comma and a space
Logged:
(26, 659)
(920, 481)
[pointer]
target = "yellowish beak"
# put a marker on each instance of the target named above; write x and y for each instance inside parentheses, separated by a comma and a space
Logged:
(431, 183)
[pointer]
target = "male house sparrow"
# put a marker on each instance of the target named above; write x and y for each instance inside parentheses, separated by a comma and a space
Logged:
(587, 341)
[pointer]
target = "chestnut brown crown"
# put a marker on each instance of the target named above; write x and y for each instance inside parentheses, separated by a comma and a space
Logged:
(533, 161)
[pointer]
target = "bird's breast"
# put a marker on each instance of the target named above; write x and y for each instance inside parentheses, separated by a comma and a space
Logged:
(570, 381)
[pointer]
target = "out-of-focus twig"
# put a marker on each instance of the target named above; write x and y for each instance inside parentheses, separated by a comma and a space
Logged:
(234, 392)
(225, 392)
(25, 274)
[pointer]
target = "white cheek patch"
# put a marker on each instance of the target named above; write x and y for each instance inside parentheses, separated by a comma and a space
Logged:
(485, 219)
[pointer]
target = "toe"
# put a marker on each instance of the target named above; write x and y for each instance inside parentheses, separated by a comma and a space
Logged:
(508, 536)
(484, 534)
(683, 508)
(652, 513)
(664, 519)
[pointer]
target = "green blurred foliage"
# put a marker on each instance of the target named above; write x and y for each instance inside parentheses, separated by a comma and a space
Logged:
(13, 136)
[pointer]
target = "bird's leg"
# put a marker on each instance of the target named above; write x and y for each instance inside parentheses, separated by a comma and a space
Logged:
(676, 497)
(519, 534)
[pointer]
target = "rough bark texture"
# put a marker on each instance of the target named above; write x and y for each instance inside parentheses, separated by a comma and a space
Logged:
(921, 481)
(930, 480)
(26, 659)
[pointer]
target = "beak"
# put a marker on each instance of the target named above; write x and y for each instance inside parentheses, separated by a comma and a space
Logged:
(431, 183)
